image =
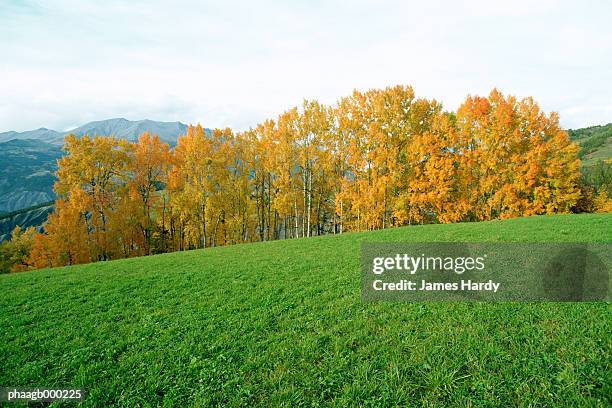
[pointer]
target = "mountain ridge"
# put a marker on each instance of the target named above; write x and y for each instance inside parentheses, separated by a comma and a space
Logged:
(118, 127)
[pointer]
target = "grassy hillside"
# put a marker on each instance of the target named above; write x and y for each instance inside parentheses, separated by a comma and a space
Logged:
(282, 323)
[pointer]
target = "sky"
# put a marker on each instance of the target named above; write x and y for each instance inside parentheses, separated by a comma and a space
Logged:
(233, 64)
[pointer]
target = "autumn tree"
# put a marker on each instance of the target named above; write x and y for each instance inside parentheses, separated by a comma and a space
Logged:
(148, 171)
(97, 166)
(520, 161)
(15, 253)
(285, 154)
(261, 162)
(198, 181)
(313, 163)
(376, 129)
(435, 190)
(238, 222)
(67, 239)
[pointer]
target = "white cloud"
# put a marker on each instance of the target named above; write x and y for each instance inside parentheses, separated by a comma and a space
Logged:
(233, 64)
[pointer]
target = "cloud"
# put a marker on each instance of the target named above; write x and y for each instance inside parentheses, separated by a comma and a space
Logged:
(236, 63)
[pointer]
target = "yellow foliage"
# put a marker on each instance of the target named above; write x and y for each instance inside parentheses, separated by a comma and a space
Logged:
(377, 159)
(603, 204)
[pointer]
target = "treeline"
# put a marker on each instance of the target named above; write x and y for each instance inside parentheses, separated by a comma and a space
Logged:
(377, 159)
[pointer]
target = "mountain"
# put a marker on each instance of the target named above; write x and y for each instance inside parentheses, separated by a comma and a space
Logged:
(43, 134)
(27, 169)
(130, 130)
(119, 127)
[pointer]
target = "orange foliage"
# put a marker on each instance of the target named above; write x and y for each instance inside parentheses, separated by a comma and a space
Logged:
(377, 159)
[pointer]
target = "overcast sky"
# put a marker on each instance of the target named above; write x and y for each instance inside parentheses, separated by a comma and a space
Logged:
(67, 62)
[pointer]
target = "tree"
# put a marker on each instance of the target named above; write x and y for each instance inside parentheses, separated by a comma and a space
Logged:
(285, 154)
(148, 169)
(436, 189)
(603, 203)
(313, 126)
(98, 167)
(14, 254)
(376, 130)
(196, 181)
(520, 162)
(67, 239)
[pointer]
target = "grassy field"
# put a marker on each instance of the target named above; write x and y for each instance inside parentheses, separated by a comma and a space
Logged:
(282, 323)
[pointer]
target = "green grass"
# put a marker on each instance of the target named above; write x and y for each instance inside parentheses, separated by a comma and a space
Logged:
(282, 323)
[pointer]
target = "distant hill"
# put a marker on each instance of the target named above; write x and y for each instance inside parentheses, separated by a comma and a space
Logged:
(42, 134)
(130, 130)
(595, 143)
(119, 127)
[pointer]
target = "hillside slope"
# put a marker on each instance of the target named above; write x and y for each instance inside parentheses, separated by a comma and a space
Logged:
(282, 323)
(34, 216)
(27, 173)
(595, 143)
